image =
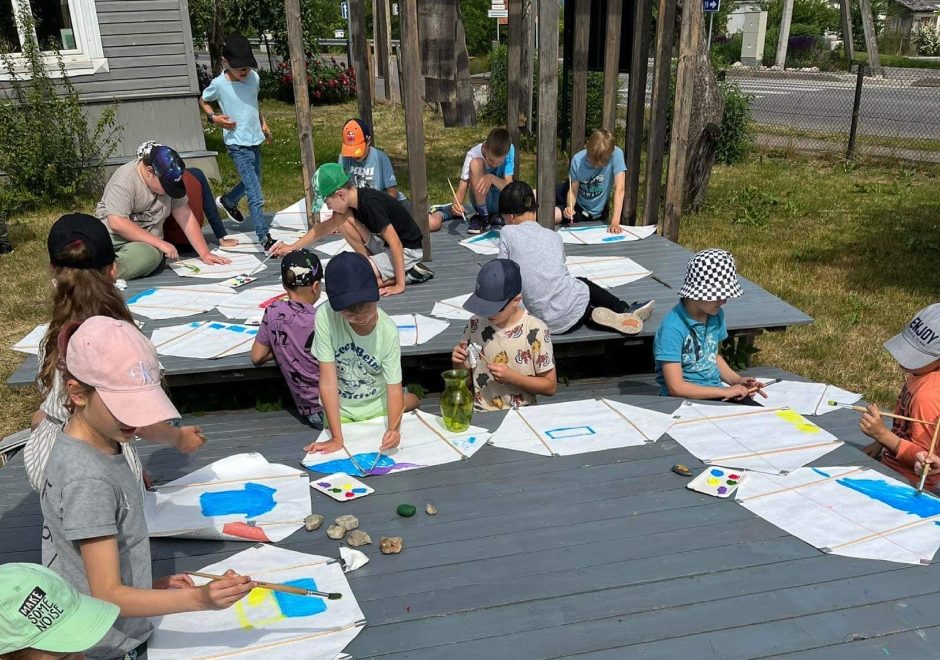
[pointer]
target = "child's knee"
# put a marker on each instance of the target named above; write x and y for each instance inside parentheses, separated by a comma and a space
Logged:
(435, 220)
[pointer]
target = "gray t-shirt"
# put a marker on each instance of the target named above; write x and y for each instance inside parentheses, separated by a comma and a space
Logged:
(126, 195)
(549, 291)
(89, 494)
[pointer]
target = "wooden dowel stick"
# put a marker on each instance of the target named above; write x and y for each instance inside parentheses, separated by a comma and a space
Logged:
(862, 409)
(273, 586)
(933, 445)
(457, 201)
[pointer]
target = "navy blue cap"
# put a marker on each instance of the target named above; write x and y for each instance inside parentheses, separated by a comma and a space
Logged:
(350, 280)
(498, 282)
(169, 168)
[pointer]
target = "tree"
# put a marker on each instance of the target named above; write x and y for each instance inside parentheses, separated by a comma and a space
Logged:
(479, 28)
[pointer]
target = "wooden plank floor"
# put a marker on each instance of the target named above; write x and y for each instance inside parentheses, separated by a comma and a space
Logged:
(455, 272)
(601, 555)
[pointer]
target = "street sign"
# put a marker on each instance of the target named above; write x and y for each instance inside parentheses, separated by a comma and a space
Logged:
(344, 10)
(339, 34)
(711, 6)
(498, 13)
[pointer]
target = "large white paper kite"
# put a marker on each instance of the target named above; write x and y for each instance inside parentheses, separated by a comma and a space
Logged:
(424, 442)
(249, 304)
(485, 243)
(30, 343)
(207, 340)
(608, 272)
(178, 301)
(332, 247)
(249, 242)
(850, 511)
(452, 308)
(295, 216)
(806, 398)
(414, 329)
(598, 235)
(773, 440)
(240, 265)
(578, 427)
(266, 624)
(242, 498)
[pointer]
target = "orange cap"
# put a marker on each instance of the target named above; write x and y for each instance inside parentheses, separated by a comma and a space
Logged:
(354, 139)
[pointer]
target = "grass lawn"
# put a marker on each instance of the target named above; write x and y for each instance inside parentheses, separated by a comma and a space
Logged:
(853, 246)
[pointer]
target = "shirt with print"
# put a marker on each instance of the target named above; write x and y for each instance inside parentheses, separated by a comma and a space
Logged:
(506, 168)
(287, 329)
(238, 100)
(89, 494)
(127, 196)
(919, 398)
(692, 344)
(376, 211)
(365, 364)
(595, 183)
(374, 171)
(526, 347)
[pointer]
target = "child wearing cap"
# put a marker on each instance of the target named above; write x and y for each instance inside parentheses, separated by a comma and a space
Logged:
(43, 617)
(359, 352)
(244, 130)
(367, 165)
(286, 333)
(688, 363)
(597, 172)
(904, 448)
(94, 532)
(136, 202)
(549, 291)
(507, 350)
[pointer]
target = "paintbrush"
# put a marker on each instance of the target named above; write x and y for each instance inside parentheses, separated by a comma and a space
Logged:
(933, 445)
(390, 427)
(760, 386)
(456, 201)
(883, 413)
(273, 586)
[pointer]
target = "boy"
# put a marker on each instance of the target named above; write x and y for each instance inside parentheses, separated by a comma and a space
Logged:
(367, 166)
(487, 168)
(507, 350)
(904, 447)
(286, 333)
(549, 291)
(243, 130)
(360, 355)
(595, 171)
(688, 364)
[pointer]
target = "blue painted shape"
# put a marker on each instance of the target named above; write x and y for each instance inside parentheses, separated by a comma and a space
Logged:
(717, 473)
(217, 326)
(570, 432)
(897, 496)
(407, 327)
(359, 491)
(612, 239)
(820, 472)
(252, 501)
(293, 606)
(484, 237)
(142, 294)
(366, 461)
(472, 439)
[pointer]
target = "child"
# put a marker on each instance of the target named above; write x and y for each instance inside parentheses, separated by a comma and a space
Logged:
(487, 168)
(548, 289)
(688, 364)
(366, 165)
(359, 351)
(595, 171)
(507, 350)
(42, 617)
(286, 333)
(244, 130)
(94, 533)
(904, 447)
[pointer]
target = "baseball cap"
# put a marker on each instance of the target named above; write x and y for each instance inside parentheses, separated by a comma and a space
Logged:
(305, 267)
(356, 136)
(711, 275)
(328, 178)
(498, 282)
(237, 52)
(85, 229)
(40, 610)
(116, 359)
(350, 280)
(919, 343)
(517, 198)
(169, 168)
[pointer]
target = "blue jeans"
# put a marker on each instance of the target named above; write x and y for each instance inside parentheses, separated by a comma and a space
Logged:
(247, 162)
(209, 208)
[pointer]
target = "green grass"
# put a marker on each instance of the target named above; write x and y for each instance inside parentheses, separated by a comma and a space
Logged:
(899, 61)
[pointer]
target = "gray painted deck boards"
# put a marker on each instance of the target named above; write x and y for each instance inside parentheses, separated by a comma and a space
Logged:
(601, 555)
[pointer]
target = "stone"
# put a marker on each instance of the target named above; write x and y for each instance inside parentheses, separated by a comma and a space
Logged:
(348, 522)
(313, 521)
(336, 532)
(431, 510)
(406, 510)
(391, 545)
(358, 537)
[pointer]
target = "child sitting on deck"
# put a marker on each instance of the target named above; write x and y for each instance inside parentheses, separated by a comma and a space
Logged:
(688, 364)
(507, 350)
(286, 333)
(597, 174)
(367, 165)
(359, 352)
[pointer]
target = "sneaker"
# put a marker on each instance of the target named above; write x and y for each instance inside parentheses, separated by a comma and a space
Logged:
(231, 210)
(316, 420)
(497, 221)
(643, 309)
(5, 247)
(626, 323)
(476, 225)
(267, 243)
(418, 273)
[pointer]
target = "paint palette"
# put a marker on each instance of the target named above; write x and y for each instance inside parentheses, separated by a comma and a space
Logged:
(237, 281)
(342, 487)
(717, 481)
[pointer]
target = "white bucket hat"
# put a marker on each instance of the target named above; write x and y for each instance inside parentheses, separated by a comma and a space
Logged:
(711, 276)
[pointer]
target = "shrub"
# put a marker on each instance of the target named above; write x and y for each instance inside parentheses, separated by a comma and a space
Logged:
(495, 108)
(328, 81)
(737, 128)
(270, 84)
(926, 41)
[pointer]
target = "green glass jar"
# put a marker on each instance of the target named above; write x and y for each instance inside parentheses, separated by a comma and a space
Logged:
(456, 401)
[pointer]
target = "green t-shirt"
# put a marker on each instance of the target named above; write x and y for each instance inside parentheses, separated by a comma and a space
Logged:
(365, 365)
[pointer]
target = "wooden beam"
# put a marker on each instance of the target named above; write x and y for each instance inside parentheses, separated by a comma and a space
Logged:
(665, 33)
(359, 51)
(871, 38)
(414, 118)
(514, 69)
(783, 35)
(528, 48)
(548, 109)
(612, 64)
(636, 107)
(298, 66)
(381, 15)
(848, 43)
(579, 73)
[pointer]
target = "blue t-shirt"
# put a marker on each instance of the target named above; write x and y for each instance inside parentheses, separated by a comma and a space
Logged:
(595, 183)
(694, 345)
(238, 100)
(374, 171)
(504, 169)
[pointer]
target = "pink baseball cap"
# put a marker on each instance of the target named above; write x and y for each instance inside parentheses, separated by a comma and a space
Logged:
(116, 359)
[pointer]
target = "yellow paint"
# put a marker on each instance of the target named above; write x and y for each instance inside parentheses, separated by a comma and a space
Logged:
(259, 608)
(712, 481)
(798, 421)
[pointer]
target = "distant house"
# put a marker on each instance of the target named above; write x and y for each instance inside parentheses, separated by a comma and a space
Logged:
(905, 17)
(135, 53)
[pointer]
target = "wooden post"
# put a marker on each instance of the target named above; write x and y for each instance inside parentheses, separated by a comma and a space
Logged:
(612, 64)
(528, 48)
(783, 38)
(636, 107)
(383, 39)
(871, 38)
(298, 67)
(848, 44)
(548, 109)
(360, 58)
(665, 31)
(579, 73)
(689, 41)
(414, 117)
(514, 69)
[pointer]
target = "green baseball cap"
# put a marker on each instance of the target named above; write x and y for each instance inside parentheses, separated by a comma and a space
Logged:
(328, 178)
(40, 610)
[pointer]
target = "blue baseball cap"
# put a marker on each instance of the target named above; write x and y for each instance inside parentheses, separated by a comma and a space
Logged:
(350, 280)
(498, 282)
(169, 168)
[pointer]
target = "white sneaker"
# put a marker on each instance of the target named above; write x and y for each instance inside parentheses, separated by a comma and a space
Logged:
(627, 323)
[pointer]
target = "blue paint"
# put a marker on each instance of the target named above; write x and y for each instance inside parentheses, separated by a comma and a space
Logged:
(407, 327)
(611, 239)
(142, 294)
(484, 237)
(293, 606)
(359, 491)
(366, 461)
(252, 501)
(717, 473)
(472, 439)
(569, 432)
(217, 326)
(897, 496)
(195, 324)
(820, 472)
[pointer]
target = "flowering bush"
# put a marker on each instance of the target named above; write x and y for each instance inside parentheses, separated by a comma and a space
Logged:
(328, 81)
(927, 41)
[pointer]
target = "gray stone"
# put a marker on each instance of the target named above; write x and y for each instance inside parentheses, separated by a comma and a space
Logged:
(313, 521)
(348, 522)
(358, 537)
(391, 545)
(336, 532)
(431, 510)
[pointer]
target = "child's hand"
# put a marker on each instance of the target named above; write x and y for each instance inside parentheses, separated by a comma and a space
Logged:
(392, 289)
(390, 440)
(459, 355)
(169, 250)
(871, 423)
(568, 212)
(502, 373)
(228, 242)
(178, 581)
(326, 447)
(753, 386)
(219, 594)
(224, 121)
(484, 184)
(267, 134)
(209, 258)
(457, 208)
(614, 228)
(190, 439)
(932, 460)
(736, 393)
(282, 249)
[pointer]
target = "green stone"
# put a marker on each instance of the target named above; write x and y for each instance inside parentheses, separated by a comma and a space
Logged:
(406, 510)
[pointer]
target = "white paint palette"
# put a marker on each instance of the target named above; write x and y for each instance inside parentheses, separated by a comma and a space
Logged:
(341, 487)
(237, 281)
(717, 481)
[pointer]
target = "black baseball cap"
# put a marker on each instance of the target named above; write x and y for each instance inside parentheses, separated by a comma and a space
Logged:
(85, 229)
(350, 280)
(305, 267)
(169, 168)
(237, 52)
(498, 282)
(517, 198)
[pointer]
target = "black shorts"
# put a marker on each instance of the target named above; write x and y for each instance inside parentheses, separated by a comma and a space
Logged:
(580, 215)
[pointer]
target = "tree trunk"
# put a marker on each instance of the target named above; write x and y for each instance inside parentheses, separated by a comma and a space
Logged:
(216, 38)
(707, 110)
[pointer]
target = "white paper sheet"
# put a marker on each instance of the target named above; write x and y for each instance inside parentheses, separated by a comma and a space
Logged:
(295, 216)
(485, 243)
(30, 343)
(608, 272)
(806, 398)
(208, 340)
(598, 235)
(452, 308)
(178, 301)
(332, 247)
(414, 329)
(241, 264)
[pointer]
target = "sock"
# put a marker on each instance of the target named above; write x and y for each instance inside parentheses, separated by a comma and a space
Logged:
(483, 212)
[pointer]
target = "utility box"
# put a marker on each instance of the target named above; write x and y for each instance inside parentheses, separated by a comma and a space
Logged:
(754, 35)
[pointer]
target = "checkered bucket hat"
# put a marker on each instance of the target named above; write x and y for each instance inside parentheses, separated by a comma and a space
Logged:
(711, 275)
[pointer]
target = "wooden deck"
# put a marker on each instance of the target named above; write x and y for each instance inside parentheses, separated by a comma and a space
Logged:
(600, 555)
(455, 272)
